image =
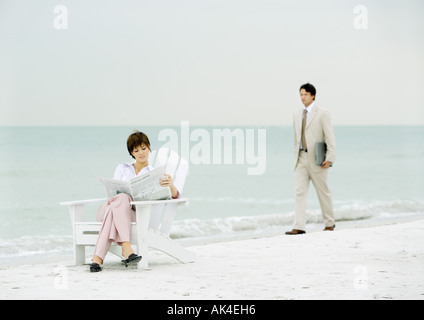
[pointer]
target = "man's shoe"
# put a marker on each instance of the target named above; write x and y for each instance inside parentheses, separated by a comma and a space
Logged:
(329, 228)
(295, 231)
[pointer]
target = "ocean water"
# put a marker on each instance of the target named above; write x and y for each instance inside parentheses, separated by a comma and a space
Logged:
(377, 175)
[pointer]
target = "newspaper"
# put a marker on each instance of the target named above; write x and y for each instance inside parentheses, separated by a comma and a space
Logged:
(139, 188)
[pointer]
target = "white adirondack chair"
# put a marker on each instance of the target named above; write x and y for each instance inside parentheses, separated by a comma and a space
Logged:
(154, 219)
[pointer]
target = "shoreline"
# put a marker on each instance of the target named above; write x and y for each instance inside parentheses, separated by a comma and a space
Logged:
(368, 262)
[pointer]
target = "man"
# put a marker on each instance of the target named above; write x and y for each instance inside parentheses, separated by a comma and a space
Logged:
(312, 124)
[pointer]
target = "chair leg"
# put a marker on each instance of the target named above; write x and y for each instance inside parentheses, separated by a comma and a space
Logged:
(171, 248)
(79, 255)
(142, 226)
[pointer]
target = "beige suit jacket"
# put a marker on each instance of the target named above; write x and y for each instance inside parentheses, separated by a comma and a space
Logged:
(318, 129)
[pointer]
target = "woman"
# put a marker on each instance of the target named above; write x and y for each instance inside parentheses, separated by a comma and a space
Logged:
(117, 213)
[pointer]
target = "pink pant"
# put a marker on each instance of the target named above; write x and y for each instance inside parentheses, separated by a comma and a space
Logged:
(116, 215)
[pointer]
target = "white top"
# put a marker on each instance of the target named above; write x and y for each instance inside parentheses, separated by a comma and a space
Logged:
(126, 171)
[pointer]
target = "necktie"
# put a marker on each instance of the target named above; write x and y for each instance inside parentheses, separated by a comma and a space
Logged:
(304, 147)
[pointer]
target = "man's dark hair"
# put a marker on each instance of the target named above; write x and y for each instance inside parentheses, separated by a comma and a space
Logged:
(309, 88)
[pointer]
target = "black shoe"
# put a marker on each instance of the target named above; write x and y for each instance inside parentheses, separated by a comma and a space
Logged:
(95, 267)
(133, 258)
(329, 228)
(295, 232)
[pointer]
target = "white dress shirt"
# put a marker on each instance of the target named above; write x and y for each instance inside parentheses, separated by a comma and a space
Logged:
(309, 109)
(126, 171)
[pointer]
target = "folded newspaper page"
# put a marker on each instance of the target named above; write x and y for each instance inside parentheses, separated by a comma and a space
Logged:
(139, 188)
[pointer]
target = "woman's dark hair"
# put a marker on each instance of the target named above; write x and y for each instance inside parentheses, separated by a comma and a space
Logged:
(137, 139)
(309, 88)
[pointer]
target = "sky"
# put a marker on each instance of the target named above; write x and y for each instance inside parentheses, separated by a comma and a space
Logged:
(209, 62)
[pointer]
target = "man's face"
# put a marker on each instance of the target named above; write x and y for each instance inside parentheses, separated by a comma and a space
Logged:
(306, 97)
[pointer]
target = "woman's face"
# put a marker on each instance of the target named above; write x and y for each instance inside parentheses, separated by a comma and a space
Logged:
(141, 153)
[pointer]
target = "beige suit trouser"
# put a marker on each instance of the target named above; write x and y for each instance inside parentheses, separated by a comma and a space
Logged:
(306, 172)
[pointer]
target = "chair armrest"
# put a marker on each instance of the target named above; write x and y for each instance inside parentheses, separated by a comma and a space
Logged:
(81, 202)
(179, 201)
(76, 208)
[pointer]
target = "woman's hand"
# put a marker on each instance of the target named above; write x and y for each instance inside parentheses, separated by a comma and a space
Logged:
(166, 181)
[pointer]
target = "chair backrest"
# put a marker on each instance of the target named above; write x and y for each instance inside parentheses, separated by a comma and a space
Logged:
(162, 216)
(176, 166)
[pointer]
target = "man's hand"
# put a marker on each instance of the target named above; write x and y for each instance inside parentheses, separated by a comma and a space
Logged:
(325, 164)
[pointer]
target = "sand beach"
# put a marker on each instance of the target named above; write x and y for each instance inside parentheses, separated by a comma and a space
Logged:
(368, 262)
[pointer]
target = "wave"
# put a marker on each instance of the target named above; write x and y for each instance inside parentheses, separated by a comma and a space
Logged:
(378, 209)
(343, 212)
(28, 246)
